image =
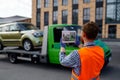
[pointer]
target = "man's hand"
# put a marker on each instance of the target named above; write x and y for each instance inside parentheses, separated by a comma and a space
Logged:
(62, 49)
(63, 45)
(78, 43)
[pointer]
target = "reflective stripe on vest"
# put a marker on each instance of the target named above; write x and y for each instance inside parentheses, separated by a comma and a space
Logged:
(92, 61)
(73, 77)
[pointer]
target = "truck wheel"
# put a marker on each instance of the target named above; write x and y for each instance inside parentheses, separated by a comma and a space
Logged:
(106, 63)
(27, 45)
(13, 58)
(34, 59)
(1, 46)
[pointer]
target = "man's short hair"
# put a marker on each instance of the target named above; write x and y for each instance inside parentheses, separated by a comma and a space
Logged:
(91, 30)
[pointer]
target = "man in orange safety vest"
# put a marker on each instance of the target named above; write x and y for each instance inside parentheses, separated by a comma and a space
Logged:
(88, 61)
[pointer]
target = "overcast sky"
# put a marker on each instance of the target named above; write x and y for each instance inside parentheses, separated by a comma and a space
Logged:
(15, 7)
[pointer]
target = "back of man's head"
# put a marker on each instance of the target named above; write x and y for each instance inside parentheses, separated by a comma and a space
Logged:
(91, 30)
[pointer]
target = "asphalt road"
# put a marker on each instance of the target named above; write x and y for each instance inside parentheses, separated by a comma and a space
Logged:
(29, 71)
(112, 71)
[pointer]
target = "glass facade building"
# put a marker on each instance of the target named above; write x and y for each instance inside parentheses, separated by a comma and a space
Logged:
(113, 11)
(106, 13)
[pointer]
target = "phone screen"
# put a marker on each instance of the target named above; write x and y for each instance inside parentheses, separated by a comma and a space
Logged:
(68, 36)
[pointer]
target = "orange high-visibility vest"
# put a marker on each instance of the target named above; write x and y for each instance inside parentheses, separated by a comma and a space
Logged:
(92, 61)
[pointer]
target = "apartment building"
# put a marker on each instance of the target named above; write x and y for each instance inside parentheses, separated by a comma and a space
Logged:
(106, 13)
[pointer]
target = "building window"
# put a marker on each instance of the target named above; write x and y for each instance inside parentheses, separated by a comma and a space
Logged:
(46, 18)
(99, 0)
(64, 16)
(86, 15)
(46, 3)
(38, 3)
(64, 2)
(113, 11)
(75, 16)
(100, 32)
(38, 20)
(99, 13)
(112, 31)
(55, 2)
(38, 17)
(99, 3)
(55, 17)
(86, 1)
(75, 1)
(111, 1)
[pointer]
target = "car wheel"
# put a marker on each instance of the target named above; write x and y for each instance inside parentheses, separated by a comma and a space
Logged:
(27, 45)
(1, 46)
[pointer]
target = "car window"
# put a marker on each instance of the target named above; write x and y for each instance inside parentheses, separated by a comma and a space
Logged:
(57, 34)
(13, 28)
(5, 28)
(24, 27)
(0, 29)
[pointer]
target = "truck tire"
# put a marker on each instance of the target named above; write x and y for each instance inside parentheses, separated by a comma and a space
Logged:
(34, 59)
(27, 45)
(106, 63)
(1, 46)
(13, 58)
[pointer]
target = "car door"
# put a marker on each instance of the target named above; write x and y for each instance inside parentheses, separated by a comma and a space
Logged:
(54, 36)
(4, 34)
(14, 35)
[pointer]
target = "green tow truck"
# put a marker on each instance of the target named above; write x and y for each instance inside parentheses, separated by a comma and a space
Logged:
(49, 51)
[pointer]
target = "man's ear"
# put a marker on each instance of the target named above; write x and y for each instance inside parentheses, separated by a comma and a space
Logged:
(84, 35)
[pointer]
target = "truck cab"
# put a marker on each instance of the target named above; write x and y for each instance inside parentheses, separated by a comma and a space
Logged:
(54, 36)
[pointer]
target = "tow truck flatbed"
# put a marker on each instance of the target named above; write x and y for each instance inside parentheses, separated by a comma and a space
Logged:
(19, 51)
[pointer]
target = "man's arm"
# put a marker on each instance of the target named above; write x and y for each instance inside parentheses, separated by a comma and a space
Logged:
(71, 60)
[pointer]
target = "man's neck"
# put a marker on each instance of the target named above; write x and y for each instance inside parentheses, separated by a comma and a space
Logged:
(88, 41)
